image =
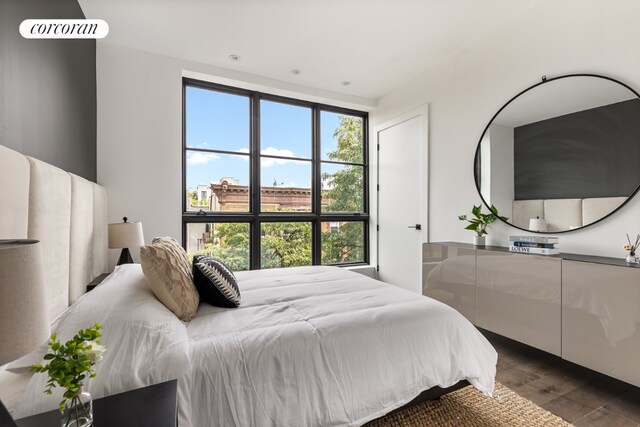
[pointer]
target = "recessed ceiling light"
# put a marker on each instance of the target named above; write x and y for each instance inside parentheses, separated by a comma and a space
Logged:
(345, 83)
(295, 71)
(234, 57)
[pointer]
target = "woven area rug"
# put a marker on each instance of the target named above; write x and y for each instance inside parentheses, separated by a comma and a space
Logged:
(470, 408)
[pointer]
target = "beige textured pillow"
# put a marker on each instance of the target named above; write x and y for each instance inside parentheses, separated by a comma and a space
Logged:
(168, 273)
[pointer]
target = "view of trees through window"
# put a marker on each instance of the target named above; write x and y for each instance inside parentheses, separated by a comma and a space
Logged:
(311, 204)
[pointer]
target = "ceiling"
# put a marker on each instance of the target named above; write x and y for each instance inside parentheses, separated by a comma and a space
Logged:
(375, 44)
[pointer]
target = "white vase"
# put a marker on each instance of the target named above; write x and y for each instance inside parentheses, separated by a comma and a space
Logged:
(478, 240)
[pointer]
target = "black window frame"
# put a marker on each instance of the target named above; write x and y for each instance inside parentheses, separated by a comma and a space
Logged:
(254, 217)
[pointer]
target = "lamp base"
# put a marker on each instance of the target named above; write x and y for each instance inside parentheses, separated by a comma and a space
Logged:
(125, 257)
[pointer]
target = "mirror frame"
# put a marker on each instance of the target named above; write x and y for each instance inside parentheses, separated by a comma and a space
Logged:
(544, 80)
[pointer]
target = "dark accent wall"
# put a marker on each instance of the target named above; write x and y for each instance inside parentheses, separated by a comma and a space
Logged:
(48, 92)
(591, 153)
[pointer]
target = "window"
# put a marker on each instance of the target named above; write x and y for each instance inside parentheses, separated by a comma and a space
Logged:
(273, 182)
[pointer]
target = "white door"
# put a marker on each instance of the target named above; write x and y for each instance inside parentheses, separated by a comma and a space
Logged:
(402, 199)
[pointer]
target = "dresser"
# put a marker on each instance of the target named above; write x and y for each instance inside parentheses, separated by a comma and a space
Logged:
(582, 308)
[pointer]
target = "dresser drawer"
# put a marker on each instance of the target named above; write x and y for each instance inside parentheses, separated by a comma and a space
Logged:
(519, 296)
(601, 318)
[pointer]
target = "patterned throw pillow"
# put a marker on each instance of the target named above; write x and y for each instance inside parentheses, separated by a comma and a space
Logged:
(166, 267)
(215, 282)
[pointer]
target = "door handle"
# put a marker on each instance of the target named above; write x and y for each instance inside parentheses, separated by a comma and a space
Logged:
(417, 226)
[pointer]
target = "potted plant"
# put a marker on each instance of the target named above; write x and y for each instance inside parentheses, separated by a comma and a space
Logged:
(480, 221)
(70, 364)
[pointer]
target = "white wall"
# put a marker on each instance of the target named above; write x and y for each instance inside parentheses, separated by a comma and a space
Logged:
(139, 114)
(139, 146)
(466, 89)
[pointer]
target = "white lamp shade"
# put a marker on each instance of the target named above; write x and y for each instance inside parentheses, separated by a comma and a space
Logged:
(125, 235)
(24, 318)
(537, 224)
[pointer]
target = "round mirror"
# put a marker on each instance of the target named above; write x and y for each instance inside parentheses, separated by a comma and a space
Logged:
(562, 154)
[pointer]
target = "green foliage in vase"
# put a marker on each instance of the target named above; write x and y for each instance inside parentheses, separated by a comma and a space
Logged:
(71, 363)
(480, 221)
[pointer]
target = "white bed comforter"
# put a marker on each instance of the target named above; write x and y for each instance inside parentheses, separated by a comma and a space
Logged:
(309, 346)
(314, 346)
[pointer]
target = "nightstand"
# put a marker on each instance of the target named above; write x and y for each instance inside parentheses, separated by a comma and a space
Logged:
(152, 406)
(95, 282)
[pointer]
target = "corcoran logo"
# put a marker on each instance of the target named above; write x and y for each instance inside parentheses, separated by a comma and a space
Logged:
(64, 29)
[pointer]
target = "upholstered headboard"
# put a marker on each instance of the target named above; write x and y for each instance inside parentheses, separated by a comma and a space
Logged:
(562, 214)
(67, 213)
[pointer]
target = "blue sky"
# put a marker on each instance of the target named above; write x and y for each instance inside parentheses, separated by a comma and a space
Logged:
(220, 121)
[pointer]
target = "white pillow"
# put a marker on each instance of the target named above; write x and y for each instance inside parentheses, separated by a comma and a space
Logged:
(146, 344)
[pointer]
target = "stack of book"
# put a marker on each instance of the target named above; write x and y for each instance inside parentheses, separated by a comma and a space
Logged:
(538, 245)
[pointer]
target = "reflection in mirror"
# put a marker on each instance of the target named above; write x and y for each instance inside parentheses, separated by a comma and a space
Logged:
(563, 154)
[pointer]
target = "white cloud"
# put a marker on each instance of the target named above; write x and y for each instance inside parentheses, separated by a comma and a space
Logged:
(271, 151)
(198, 158)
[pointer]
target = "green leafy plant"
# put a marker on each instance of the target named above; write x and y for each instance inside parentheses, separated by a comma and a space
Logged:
(72, 362)
(480, 221)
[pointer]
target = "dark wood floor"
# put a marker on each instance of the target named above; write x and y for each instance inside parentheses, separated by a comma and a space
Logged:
(579, 395)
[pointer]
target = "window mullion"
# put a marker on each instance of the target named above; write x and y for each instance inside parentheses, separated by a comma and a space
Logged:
(254, 242)
(365, 158)
(316, 188)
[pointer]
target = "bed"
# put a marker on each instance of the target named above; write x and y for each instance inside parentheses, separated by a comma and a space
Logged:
(308, 346)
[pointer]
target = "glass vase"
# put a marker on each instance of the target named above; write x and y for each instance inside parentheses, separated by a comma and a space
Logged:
(632, 258)
(78, 412)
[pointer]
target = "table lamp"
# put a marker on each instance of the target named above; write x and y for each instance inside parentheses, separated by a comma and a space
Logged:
(537, 224)
(125, 235)
(24, 317)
